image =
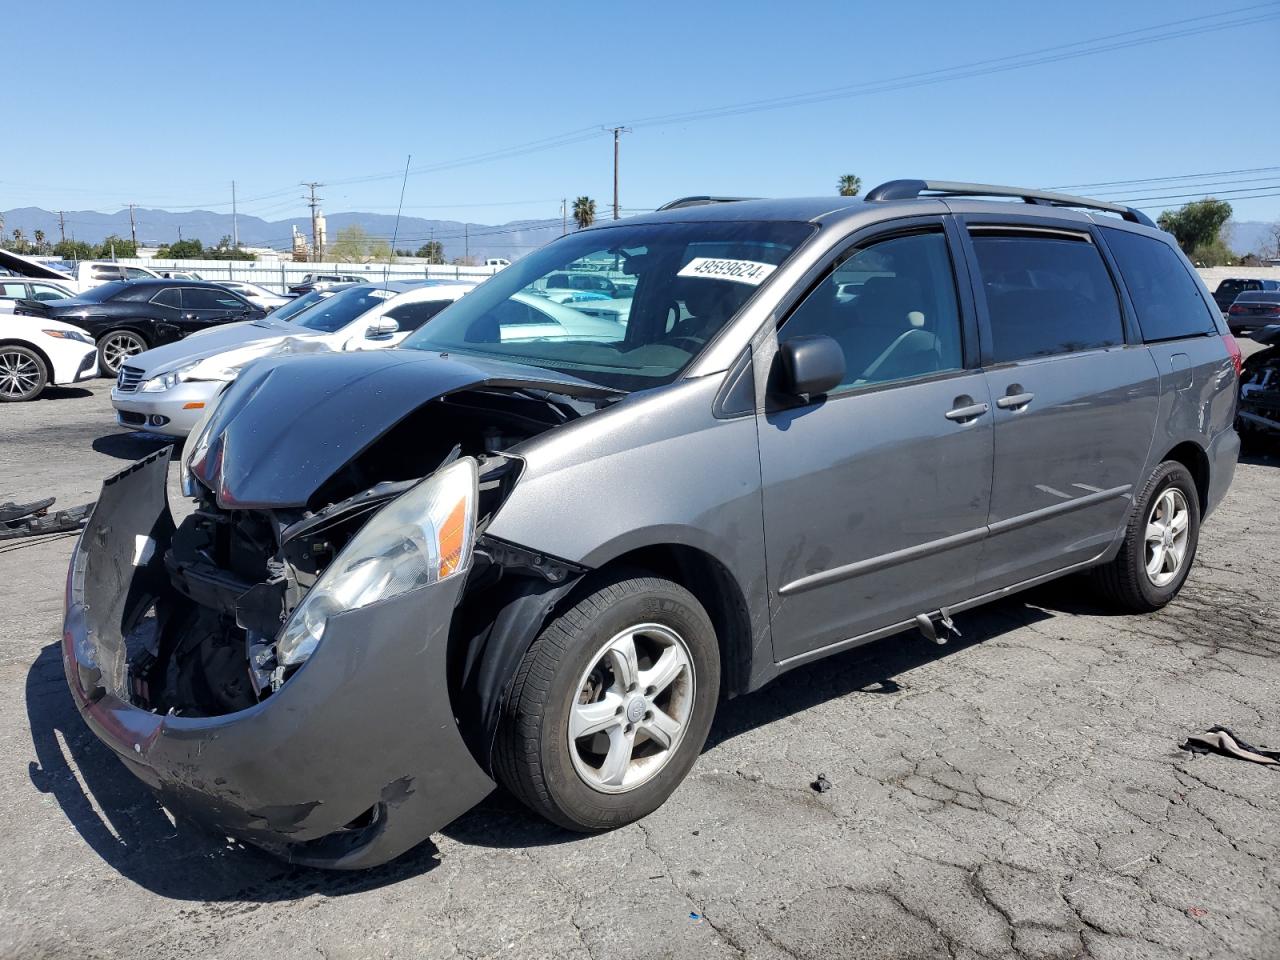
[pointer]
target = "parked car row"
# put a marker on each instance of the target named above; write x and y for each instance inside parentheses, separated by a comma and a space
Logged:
(533, 546)
(1248, 304)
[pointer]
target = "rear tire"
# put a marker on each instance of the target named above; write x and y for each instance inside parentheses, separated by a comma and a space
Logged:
(1152, 565)
(115, 347)
(643, 721)
(23, 374)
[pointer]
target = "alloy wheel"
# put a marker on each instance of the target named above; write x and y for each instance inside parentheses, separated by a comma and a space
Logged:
(19, 374)
(1167, 537)
(632, 706)
(119, 347)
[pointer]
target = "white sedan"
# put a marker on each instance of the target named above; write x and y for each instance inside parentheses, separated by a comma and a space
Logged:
(257, 295)
(36, 352)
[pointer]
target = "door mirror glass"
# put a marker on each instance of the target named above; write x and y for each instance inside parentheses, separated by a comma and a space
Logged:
(810, 365)
(381, 328)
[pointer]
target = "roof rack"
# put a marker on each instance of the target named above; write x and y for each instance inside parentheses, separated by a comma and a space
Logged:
(700, 201)
(911, 189)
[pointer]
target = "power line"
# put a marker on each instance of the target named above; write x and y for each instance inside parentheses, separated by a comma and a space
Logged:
(1185, 176)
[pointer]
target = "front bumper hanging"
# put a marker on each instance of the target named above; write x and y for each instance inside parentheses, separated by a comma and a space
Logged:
(356, 759)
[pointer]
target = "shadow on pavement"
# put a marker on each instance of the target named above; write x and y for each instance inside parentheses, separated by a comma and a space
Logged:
(129, 446)
(64, 393)
(123, 822)
(120, 818)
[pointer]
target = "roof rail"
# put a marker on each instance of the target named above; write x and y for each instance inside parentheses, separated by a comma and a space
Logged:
(911, 189)
(700, 201)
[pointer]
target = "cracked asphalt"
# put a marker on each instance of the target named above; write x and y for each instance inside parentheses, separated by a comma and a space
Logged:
(1016, 794)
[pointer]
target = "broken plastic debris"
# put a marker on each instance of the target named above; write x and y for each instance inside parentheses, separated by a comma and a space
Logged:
(822, 784)
(1196, 912)
(697, 918)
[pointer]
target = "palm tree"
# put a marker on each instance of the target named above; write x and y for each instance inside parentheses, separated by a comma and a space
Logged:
(849, 185)
(584, 212)
(39, 241)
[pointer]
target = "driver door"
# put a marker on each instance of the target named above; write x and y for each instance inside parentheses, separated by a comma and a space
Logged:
(876, 495)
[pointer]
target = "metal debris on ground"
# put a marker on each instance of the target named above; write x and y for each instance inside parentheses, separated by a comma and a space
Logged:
(1224, 741)
(822, 784)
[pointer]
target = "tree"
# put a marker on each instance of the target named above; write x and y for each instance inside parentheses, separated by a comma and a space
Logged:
(1197, 227)
(39, 235)
(73, 250)
(849, 185)
(379, 250)
(432, 251)
(182, 250)
(350, 245)
(584, 212)
(225, 251)
(117, 247)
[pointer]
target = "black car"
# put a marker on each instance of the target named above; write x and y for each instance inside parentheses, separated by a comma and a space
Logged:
(1232, 287)
(129, 316)
(1253, 310)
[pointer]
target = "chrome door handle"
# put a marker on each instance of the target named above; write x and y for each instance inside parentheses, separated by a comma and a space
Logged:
(961, 414)
(1015, 401)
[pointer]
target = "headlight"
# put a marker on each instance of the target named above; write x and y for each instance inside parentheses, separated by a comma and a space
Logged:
(69, 335)
(166, 381)
(423, 536)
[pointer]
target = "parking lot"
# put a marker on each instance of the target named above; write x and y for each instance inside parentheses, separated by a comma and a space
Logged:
(1018, 793)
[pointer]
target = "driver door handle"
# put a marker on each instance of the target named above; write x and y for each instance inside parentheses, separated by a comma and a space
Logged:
(1015, 401)
(973, 410)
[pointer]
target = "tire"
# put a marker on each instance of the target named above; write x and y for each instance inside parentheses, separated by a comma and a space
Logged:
(116, 346)
(23, 374)
(1125, 581)
(533, 755)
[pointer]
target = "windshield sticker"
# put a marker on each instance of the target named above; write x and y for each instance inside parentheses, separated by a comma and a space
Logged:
(382, 294)
(739, 271)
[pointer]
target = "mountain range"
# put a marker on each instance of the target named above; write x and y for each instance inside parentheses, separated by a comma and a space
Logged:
(156, 227)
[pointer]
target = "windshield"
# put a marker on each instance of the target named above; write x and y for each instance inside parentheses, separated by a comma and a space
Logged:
(684, 282)
(334, 313)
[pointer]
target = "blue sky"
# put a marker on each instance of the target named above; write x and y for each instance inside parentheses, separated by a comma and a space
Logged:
(165, 104)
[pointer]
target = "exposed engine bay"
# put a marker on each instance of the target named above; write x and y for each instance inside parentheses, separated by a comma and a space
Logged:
(209, 646)
(1259, 409)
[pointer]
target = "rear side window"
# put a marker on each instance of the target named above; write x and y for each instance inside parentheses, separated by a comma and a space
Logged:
(411, 316)
(209, 298)
(1166, 299)
(108, 273)
(1046, 295)
(13, 291)
(168, 297)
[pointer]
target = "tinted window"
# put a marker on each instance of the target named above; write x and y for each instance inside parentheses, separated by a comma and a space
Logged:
(105, 292)
(108, 273)
(1165, 297)
(1046, 295)
(40, 291)
(168, 297)
(411, 316)
(210, 298)
(892, 308)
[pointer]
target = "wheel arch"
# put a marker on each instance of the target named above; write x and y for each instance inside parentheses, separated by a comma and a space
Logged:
(1192, 456)
(28, 345)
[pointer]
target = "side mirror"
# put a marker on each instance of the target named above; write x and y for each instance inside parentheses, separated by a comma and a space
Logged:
(381, 328)
(810, 366)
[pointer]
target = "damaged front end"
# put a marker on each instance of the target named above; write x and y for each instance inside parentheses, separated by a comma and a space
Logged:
(282, 671)
(1258, 414)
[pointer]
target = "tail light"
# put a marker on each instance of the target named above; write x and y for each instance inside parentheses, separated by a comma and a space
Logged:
(1236, 309)
(1233, 348)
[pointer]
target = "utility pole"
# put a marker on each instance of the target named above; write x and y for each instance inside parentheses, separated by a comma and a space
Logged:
(133, 229)
(235, 223)
(314, 203)
(564, 216)
(466, 244)
(62, 227)
(616, 132)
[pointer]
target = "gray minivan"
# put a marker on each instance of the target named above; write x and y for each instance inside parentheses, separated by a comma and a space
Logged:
(375, 584)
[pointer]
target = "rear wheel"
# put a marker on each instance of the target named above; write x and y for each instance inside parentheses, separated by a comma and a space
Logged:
(116, 347)
(611, 705)
(23, 374)
(1159, 544)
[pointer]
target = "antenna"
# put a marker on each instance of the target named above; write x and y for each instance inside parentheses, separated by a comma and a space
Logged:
(395, 231)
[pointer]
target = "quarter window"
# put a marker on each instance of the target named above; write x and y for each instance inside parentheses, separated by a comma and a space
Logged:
(168, 297)
(892, 308)
(1166, 299)
(1046, 295)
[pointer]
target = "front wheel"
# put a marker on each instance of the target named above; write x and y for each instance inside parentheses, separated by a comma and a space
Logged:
(116, 347)
(611, 705)
(1159, 543)
(23, 374)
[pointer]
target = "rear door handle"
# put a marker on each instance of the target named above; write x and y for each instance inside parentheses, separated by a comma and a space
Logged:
(973, 410)
(1015, 401)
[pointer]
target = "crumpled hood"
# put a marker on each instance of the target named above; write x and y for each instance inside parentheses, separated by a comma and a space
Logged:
(206, 343)
(288, 424)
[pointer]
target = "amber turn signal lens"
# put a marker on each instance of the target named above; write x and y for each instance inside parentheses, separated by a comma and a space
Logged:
(452, 537)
